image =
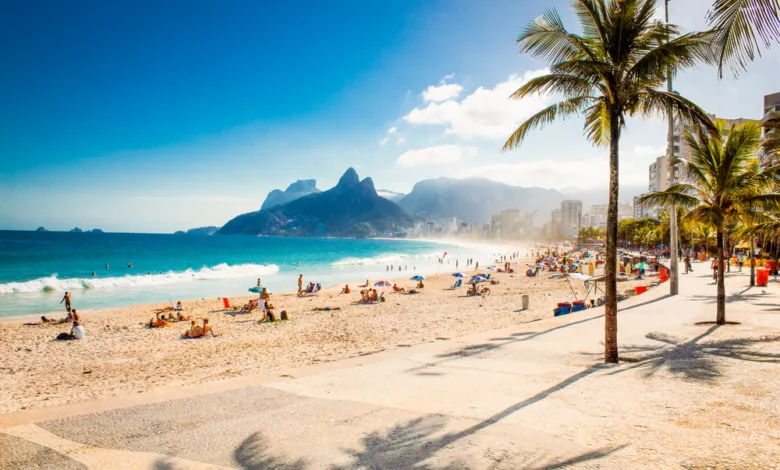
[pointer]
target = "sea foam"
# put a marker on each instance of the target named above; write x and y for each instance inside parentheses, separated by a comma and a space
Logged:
(220, 271)
(398, 258)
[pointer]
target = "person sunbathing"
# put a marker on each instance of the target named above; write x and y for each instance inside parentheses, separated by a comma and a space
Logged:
(249, 307)
(180, 317)
(179, 307)
(398, 289)
(267, 297)
(158, 322)
(198, 332)
(472, 290)
(420, 285)
(193, 332)
(365, 295)
(374, 296)
(346, 290)
(325, 309)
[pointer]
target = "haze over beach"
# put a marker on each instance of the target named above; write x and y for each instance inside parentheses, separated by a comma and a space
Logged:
(360, 235)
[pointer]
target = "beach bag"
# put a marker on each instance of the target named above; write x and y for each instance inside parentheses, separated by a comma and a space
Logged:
(64, 337)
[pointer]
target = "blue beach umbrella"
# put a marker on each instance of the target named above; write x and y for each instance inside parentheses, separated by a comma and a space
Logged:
(458, 274)
(478, 279)
(418, 277)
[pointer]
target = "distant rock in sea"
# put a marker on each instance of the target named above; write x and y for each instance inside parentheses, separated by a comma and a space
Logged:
(352, 208)
(96, 230)
(295, 191)
(41, 229)
(210, 230)
(76, 230)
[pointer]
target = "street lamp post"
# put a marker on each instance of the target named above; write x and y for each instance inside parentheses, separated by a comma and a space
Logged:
(673, 277)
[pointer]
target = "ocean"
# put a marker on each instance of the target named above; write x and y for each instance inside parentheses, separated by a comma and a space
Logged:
(36, 268)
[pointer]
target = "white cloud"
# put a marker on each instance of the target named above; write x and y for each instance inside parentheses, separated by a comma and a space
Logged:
(442, 92)
(487, 113)
(384, 141)
(649, 151)
(392, 130)
(550, 172)
(401, 140)
(435, 155)
(449, 76)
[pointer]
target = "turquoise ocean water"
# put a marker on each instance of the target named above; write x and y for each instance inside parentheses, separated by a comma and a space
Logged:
(36, 268)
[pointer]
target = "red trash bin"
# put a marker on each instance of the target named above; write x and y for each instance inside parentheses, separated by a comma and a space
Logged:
(762, 277)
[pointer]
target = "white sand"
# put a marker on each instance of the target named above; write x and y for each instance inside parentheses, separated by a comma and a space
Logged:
(121, 356)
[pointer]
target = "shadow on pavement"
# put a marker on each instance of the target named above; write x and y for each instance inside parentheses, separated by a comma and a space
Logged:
(694, 359)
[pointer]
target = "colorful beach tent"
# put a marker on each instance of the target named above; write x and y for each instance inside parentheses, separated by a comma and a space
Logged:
(383, 284)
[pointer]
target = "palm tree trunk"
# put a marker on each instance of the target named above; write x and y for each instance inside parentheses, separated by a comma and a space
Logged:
(721, 299)
(728, 252)
(610, 284)
(752, 264)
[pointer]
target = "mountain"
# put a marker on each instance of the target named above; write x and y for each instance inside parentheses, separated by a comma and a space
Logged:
(41, 229)
(474, 200)
(390, 195)
(76, 230)
(210, 230)
(295, 191)
(96, 230)
(351, 208)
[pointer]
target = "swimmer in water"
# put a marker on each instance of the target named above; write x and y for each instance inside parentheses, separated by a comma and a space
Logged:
(106, 265)
(93, 273)
(129, 265)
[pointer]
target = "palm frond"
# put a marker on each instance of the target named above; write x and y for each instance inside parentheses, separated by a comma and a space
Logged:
(546, 38)
(679, 195)
(741, 27)
(650, 101)
(549, 114)
(570, 86)
(597, 123)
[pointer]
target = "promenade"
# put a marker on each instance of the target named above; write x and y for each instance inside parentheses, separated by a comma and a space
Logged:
(686, 395)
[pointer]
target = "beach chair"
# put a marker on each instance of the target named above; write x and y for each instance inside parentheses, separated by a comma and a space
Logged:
(226, 302)
(458, 283)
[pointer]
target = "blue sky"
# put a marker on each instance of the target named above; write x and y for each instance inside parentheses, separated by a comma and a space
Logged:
(156, 116)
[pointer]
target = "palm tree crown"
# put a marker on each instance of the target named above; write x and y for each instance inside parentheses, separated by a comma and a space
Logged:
(619, 63)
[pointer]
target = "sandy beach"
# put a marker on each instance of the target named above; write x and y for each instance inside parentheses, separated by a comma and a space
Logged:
(121, 355)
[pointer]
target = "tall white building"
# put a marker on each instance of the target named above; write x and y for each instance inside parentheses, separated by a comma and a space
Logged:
(571, 214)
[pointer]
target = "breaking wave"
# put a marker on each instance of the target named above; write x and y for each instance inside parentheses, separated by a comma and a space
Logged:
(220, 271)
(385, 259)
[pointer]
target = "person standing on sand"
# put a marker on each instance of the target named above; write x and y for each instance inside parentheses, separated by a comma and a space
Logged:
(300, 284)
(66, 299)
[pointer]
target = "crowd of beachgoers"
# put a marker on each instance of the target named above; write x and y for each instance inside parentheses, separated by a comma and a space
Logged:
(136, 348)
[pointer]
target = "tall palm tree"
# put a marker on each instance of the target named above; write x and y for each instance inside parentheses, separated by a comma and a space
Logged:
(616, 68)
(726, 178)
(740, 28)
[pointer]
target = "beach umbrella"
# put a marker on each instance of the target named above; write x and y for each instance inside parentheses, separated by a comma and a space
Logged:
(383, 284)
(418, 277)
(492, 267)
(478, 279)
(458, 274)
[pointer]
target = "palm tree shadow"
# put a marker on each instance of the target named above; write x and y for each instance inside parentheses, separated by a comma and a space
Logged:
(410, 446)
(252, 454)
(696, 359)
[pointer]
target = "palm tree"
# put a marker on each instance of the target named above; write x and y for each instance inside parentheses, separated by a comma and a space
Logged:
(616, 68)
(740, 27)
(726, 178)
